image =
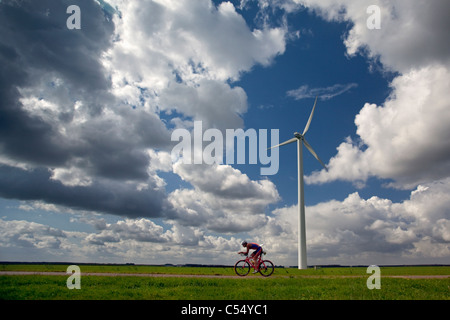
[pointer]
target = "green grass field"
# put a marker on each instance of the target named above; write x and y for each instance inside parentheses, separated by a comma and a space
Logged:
(284, 284)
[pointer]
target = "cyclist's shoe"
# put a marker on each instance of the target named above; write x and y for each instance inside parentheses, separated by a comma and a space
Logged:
(256, 271)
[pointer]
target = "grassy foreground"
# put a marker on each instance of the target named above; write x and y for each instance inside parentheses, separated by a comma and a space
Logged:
(285, 284)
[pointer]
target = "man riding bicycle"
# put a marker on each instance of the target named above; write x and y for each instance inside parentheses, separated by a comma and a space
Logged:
(255, 254)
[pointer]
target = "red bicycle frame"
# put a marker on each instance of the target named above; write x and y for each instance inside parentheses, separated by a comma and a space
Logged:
(264, 267)
(250, 261)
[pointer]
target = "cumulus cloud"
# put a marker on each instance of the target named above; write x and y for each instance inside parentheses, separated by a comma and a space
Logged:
(136, 240)
(421, 26)
(352, 231)
(215, 103)
(22, 240)
(363, 230)
(405, 140)
(58, 115)
(184, 54)
(194, 46)
(30, 234)
(222, 199)
(141, 230)
(81, 111)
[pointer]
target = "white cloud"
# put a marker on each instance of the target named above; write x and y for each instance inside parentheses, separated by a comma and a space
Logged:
(412, 34)
(352, 231)
(183, 53)
(223, 199)
(30, 234)
(214, 102)
(358, 231)
(71, 176)
(97, 115)
(226, 181)
(22, 240)
(130, 240)
(141, 230)
(327, 93)
(406, 140)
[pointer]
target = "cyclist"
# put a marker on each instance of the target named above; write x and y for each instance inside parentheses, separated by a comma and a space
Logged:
(255, 254)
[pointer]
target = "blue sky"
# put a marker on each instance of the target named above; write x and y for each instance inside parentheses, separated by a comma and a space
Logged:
(86, 172)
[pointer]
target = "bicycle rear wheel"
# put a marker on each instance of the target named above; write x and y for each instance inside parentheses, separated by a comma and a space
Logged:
(266, 268)
(242, 268)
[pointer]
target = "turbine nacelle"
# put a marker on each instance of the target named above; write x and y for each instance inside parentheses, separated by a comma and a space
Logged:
(301, 136)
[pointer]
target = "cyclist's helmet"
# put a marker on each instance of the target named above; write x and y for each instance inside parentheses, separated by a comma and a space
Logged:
(244, 243)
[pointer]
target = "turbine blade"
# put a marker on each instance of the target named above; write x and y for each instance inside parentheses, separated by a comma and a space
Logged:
(310, 118)
(284, 143)
(308, 146)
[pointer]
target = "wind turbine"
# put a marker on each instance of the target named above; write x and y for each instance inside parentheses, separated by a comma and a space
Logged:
(300, 139)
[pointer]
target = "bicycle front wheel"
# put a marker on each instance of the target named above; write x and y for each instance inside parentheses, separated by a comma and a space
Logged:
(266, 268)
(242, 268)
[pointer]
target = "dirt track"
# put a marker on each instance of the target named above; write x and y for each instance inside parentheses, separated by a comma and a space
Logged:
(156, 275)
(111, 274)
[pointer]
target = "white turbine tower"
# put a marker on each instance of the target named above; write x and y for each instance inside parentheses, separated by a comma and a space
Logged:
(300, 139)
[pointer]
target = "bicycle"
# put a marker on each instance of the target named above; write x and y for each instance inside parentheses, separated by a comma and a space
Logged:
(264, 267)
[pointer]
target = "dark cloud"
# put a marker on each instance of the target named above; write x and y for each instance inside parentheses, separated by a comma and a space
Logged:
(38, 33)
(103, 195)
(57, 112)
(34, 44)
